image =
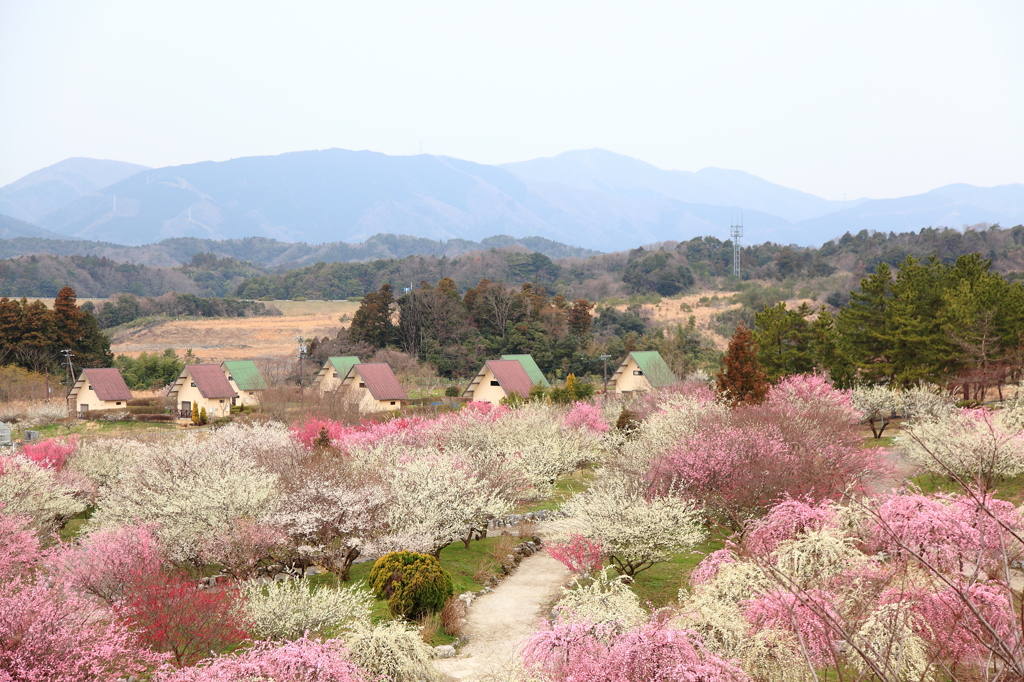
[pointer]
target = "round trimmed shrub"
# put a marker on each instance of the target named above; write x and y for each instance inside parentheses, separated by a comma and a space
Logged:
(414, 584)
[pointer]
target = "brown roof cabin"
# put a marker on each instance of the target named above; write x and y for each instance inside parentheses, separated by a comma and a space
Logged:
(498, 379)
(374, 387)
(200, 386)
(99, 389)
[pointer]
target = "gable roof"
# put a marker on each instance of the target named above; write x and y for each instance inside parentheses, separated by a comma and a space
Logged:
(532, 370)
(653, 366)
(342, 364)
(511, 376)
(245, 374)
(108, 383)
(380, 381)
(210, 381)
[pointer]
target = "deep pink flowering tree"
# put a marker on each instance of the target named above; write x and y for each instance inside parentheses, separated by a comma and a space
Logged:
(784, 522)
(809, 617)
(949, 532)
(302, 660)
(586, 417)
(53, 634)
(964, 624)
(579, 555)
(707, 569)
(584, 652)
(19, 546)
(51, 453)
(803, 442)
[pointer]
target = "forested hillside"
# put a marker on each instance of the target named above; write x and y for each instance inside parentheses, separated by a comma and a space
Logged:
(100, 277)
(264, 251)
(826, 274)
(665, 269)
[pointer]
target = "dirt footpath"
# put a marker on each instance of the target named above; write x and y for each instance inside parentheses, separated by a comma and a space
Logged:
(501, 620)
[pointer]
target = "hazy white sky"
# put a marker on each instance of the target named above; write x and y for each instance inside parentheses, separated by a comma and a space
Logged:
(864, 98)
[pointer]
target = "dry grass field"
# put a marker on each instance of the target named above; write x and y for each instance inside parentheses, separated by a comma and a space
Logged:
(245, 338)
(679, 310)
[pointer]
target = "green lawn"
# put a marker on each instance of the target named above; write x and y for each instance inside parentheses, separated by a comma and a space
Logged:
(659, 585)
(1010, 489)
(99, 428)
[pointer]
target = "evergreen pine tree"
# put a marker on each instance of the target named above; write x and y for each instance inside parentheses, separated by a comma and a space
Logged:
(742, 379)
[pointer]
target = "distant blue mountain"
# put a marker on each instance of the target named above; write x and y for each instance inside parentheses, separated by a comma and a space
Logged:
(593, 199)
(949, 206)
(48, 189)
(601, 170)
(339, 195)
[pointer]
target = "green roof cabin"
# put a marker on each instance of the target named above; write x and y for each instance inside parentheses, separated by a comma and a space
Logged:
(642, 371)
(334, 372)
(245, 378)
(532, 370)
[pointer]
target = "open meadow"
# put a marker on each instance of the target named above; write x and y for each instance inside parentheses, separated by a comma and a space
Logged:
(237, 338)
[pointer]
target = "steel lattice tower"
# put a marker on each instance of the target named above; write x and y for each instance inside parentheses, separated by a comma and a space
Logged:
(736, 232)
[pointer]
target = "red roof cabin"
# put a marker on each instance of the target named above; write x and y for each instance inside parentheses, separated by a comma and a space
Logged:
(374, 387)
(200, 386)
(99, 389)
(498, 379)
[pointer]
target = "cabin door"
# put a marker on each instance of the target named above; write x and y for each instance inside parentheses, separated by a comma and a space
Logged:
(186, 409)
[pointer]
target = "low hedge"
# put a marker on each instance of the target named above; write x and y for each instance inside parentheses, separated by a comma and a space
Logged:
(147, 409)
(94, 415)
(169, 418)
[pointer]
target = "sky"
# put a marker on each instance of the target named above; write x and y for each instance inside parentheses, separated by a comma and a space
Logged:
(855, 99)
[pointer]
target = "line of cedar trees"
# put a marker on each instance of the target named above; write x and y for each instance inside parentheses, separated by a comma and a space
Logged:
(32, 336)
(959, 324)
(456, 333)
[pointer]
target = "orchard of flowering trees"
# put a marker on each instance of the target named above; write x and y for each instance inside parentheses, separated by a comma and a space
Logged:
(796, 552)
(827, 571)
(127, 596)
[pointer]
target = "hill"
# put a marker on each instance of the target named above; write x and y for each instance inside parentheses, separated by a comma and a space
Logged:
(276, 254)
(47, 189)
(592, 199)
(335, 194)
(12, 228)
(602, 170)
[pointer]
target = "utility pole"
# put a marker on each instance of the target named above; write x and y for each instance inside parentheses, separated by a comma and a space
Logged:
(69, 375)
(302, 355)
(736, 232)
(604, 358)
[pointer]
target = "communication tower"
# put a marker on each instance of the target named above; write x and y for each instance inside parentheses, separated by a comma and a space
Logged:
(736, 232)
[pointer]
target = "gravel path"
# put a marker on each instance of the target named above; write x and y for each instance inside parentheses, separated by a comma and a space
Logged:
(501, 620)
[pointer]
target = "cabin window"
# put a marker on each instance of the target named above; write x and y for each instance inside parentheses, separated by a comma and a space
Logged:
(118, 402)
(335, 375)
(222, 401)
(193, 385)
(250, 392)
(494, 382)
(362, 385)
(230, 378)
(90, 388)
(392, 402)
(638, 373)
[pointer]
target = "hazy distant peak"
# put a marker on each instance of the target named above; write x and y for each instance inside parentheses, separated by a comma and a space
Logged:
(48, 189)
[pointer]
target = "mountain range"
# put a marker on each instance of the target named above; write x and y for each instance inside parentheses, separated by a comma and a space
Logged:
(593, 199)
